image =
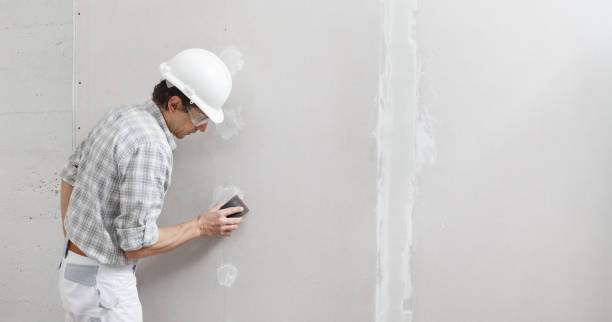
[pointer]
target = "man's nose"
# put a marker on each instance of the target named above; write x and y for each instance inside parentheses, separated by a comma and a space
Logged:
(202, 127)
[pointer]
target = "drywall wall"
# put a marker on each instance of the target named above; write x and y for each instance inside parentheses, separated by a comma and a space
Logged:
(35, 138)
(298, 143)
(405, 161)
(512, 220)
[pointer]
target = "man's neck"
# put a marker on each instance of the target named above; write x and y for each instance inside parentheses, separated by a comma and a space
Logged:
(164, 113)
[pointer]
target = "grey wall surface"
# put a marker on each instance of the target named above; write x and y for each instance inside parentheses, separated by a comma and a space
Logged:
(512, 222)
(434, 161)
(35, 138)
(303, 155)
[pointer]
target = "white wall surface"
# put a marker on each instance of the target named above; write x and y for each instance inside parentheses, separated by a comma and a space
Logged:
(513, 220)
(35, 138)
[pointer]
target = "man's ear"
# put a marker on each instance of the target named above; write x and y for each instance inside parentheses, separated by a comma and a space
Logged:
(174, 104)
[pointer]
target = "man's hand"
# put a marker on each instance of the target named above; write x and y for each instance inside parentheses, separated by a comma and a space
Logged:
(214, 222)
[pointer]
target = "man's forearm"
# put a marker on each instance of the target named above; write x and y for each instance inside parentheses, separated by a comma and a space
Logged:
(169, 239)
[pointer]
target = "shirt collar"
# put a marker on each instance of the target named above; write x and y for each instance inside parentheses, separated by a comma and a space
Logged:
(154, 110)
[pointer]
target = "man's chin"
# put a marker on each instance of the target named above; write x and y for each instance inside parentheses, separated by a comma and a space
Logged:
(183, 135)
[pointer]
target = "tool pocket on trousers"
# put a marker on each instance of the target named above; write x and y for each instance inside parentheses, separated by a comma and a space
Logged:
(82, 274)
(78, 289)
(86, 275)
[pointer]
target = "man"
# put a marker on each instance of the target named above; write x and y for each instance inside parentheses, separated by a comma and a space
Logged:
(113, 188)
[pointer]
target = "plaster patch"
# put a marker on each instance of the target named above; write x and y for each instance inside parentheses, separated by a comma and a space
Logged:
(403, 125)
(232, 58)
(226, 274)
(425, 142)
(232, 124)
(224, 193)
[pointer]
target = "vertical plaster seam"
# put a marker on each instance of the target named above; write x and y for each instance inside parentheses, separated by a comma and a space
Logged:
(404, 146)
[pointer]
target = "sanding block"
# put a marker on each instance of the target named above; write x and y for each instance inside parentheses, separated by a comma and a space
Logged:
(236, 202)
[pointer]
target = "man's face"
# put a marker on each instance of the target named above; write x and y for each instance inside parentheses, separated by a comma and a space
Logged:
(178, 120)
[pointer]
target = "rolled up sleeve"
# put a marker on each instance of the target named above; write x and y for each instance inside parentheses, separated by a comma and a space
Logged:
(144, 180)
(70, 171)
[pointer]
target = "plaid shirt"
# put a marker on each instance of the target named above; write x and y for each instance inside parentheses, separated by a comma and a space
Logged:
(120, 173)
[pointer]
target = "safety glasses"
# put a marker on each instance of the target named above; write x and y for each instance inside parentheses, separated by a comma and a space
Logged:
(198, 118)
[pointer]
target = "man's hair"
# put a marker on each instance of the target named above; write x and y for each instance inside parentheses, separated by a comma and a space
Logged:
(162, 94)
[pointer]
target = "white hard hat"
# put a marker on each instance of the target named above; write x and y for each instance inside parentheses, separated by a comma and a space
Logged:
(202, 77)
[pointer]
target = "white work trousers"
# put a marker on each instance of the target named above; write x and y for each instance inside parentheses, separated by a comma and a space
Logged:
(95, 292)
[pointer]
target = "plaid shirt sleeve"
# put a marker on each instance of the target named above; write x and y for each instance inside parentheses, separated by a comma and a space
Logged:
(70, 171)
(144, 179)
